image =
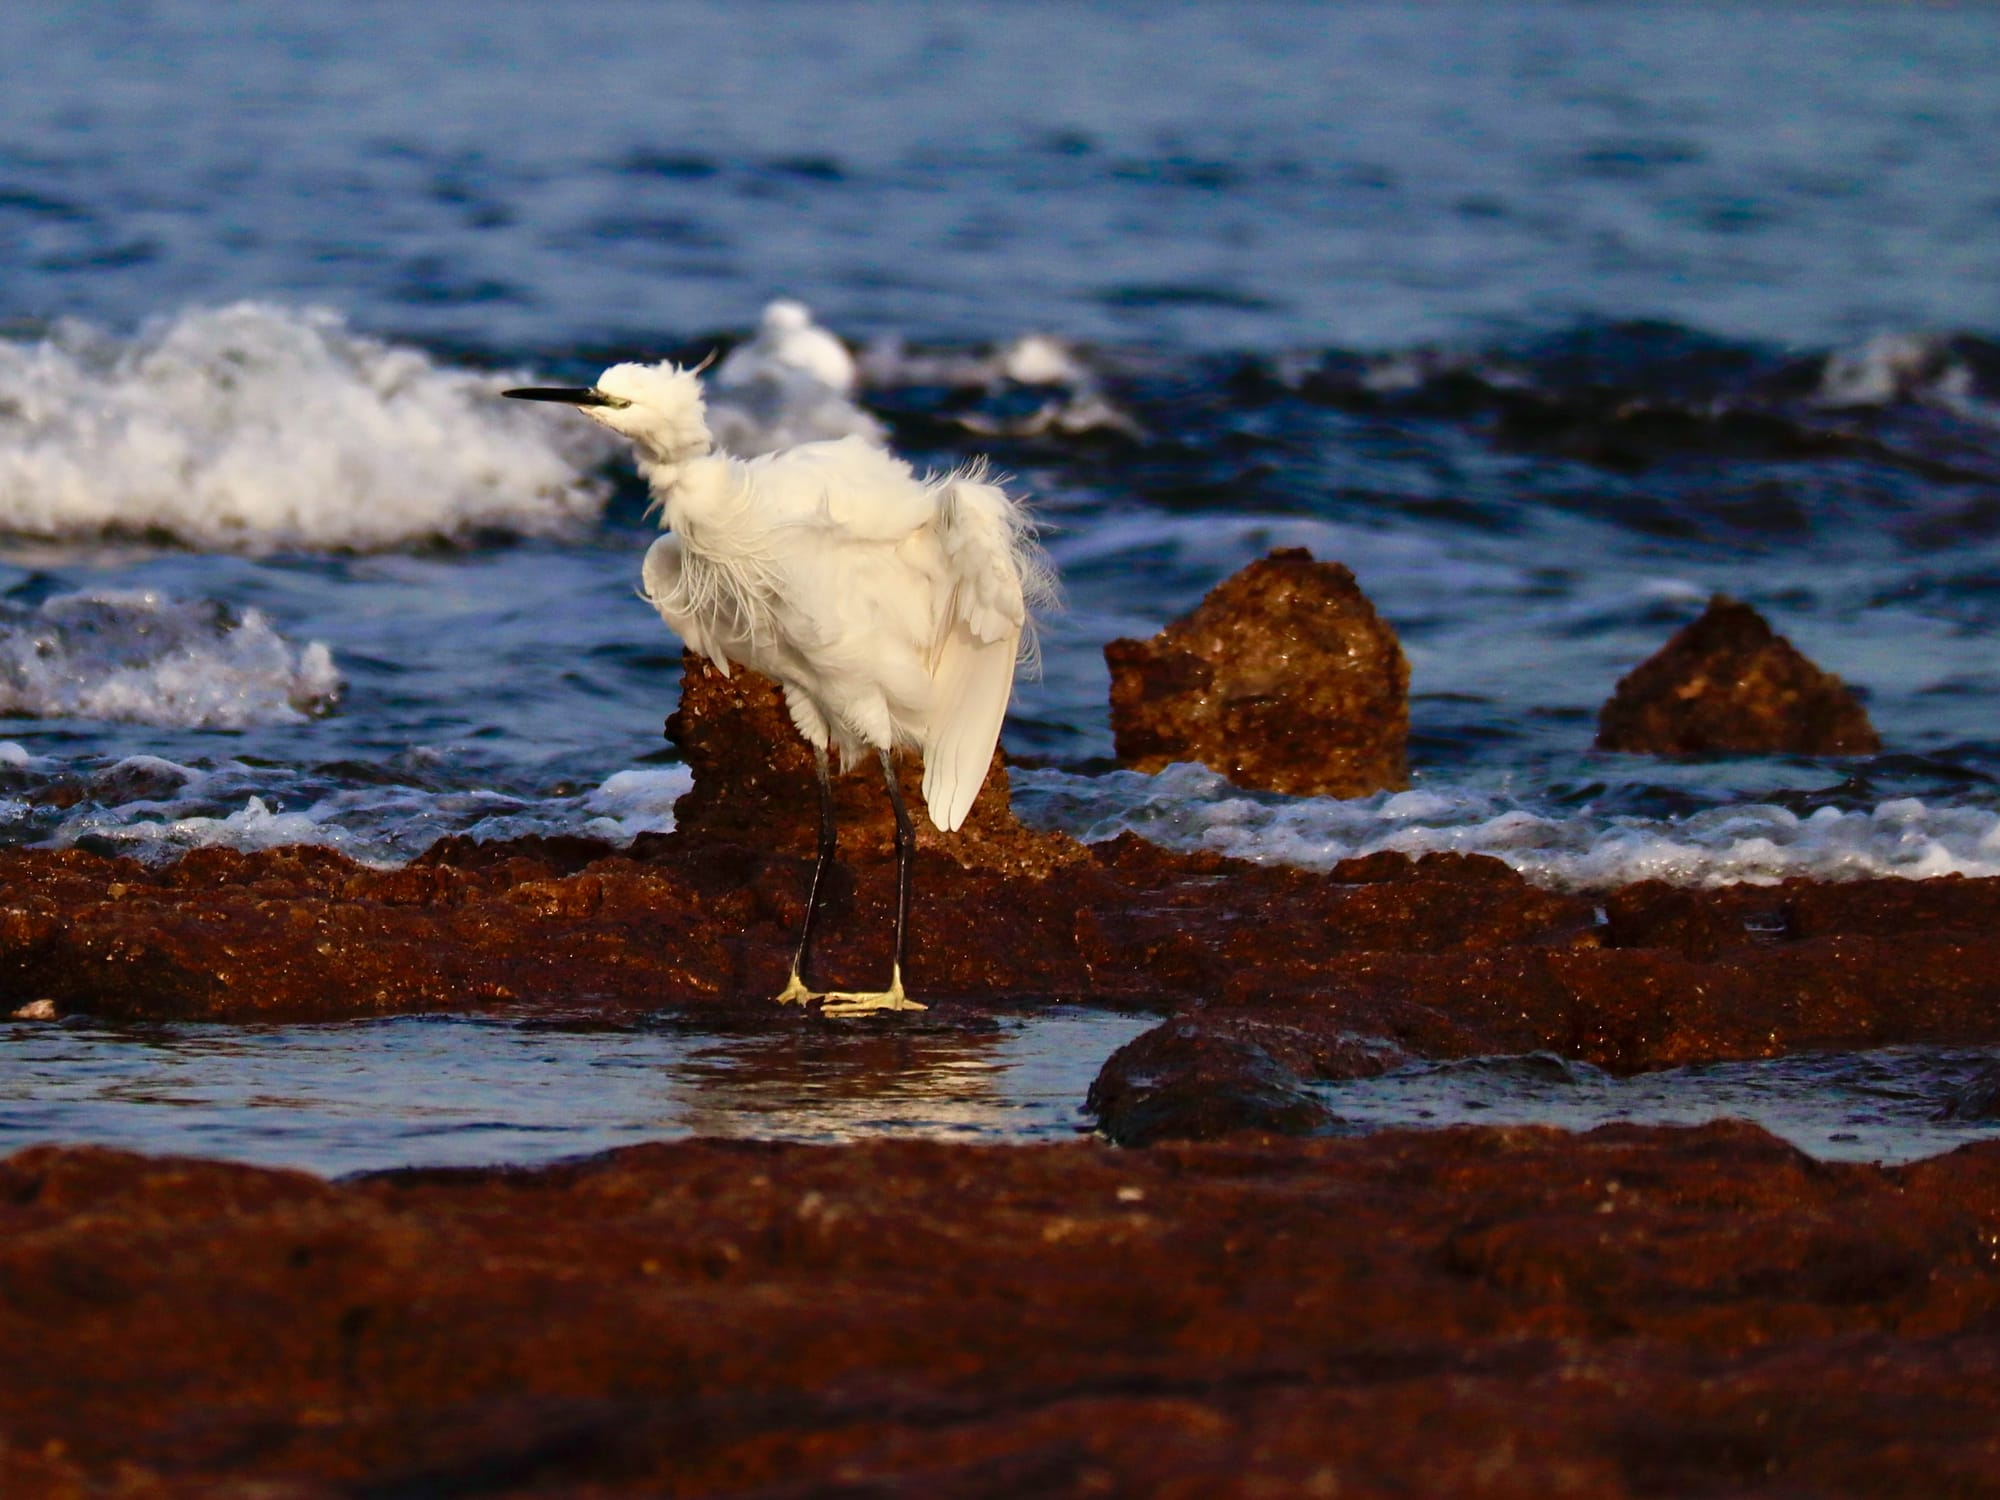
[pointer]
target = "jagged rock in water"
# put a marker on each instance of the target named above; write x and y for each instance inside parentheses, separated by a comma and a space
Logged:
(1284, 679)
(1729, 682)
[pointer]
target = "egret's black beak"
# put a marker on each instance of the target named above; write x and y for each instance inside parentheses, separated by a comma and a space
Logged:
(569, 395)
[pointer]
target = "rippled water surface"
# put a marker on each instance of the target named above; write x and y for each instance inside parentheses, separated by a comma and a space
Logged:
(471, 1090)
(1893, 1105)
(1550, 320)
(465, 1091)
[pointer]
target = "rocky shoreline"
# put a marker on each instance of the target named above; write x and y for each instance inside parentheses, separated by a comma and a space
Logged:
(1464, 1312)
(1215, 1298)
(1230, 1304)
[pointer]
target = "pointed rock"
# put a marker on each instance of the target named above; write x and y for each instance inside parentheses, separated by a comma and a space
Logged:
(1283, 679)
(1728, 682)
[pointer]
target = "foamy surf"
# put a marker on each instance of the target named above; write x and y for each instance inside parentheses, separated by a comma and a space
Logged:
(156, 810)
(792, 382)
(258, 429)
(143, 658)
(1188, 807)
(1068, 400)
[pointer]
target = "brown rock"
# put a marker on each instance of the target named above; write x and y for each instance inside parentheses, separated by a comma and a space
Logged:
(1501, 1313)
(754, 785)
(1284, 678)
(1203, 1077)
(1729, 682)
(1447, 956)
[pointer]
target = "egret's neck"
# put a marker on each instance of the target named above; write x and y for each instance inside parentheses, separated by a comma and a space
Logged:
(706, 500)
(664, 472)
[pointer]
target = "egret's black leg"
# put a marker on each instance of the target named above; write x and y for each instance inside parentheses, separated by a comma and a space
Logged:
(906, 850)
(843, 1003)
(829, 838)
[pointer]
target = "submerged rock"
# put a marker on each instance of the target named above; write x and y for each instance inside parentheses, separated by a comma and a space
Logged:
(1728, 682)
(1200, 1078)
(1978, 1098)
(1284, 678)
(1185, 1082)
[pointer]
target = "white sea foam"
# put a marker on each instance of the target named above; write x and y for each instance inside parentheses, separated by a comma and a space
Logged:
(254, 826)
(630, 803)
(1032, 359)
(788, 341)
(139, 657)
(782, 409)
(1075, 404)
(792, 383)
(254, 428)
(1184, 807)
(1895, 367)
(243, 807)
(1190, 807)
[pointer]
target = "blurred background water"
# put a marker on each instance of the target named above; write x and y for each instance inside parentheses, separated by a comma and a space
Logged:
(1548, 319)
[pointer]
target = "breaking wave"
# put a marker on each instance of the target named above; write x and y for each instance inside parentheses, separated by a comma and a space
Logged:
(259, 429)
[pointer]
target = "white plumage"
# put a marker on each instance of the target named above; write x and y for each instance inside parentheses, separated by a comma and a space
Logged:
(891, 609)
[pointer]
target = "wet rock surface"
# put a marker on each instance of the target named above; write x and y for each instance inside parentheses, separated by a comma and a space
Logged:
(1284, 679)
(754, 785)
(1728, 682)
(1447, 956)
(1468, 1312)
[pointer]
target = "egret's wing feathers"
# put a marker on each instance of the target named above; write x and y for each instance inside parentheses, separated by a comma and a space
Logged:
(972, 674)
(968, 703)
(979, 530)
(846, 485)
(660, 577)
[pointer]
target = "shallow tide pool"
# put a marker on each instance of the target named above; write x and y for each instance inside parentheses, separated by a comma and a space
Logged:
(464, 1090)
(458, 1090)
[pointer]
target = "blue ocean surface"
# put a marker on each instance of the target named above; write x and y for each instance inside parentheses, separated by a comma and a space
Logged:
(1550, 320)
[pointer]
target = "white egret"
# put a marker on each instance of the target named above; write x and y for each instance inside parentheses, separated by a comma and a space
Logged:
(891, 610)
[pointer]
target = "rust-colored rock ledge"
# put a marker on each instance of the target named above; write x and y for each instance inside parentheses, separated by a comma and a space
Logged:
(1447, 956)
(1470, 1313)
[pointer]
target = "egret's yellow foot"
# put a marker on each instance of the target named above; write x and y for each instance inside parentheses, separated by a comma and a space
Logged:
(795, 991)
(860, 1002)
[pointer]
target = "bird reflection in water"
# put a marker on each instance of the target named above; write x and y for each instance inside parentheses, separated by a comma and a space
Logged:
(837, 1085)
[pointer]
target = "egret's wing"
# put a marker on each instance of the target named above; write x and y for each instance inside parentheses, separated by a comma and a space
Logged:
(980, 534)
(848, 486)
(968, 701)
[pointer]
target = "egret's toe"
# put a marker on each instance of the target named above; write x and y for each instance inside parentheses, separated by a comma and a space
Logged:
(860, 1002)
(795, 991)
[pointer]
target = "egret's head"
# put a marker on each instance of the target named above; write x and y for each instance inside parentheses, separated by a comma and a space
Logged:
(659, 407)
